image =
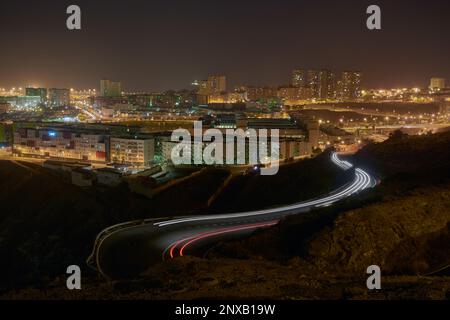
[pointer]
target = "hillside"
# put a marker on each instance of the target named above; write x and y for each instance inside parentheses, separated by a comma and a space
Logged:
(402, 225)
(47, 224)
(294, 182)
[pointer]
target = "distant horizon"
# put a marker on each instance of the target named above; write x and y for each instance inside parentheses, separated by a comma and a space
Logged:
(425, 85)
(158, 45)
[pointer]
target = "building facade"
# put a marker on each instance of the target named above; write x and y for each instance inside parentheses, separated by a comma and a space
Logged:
(437, 83)
(322, 83)
(110, 88)
(137, 151)
(51, 143)
(22, 102)
(350, 85)
(298, 78)
(58, 97)
(37, 92)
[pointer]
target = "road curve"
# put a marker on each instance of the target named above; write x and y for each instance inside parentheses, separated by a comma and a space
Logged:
(130, 248)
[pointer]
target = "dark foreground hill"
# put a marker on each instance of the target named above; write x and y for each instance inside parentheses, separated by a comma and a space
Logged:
(402, 226)
(47, 224)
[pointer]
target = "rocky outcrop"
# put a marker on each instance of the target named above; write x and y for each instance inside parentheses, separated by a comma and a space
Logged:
(396, 235)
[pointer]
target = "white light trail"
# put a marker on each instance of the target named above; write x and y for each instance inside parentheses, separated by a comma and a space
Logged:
(361, 182)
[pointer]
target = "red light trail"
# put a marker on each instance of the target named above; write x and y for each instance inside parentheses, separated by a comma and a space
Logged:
(201, 236)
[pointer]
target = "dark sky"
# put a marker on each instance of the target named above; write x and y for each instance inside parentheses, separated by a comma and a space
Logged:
(160, 44)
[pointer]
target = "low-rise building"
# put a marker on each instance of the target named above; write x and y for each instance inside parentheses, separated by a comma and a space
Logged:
(108, 176)
(136, 151)
(56, 144)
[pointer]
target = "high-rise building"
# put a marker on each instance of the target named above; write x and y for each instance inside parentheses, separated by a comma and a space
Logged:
(437, 83)
(217, 83)
(327, 85)
(37, 92)
(58, 97)
(110, 88)
(350, 85)
(313, 82)
(214, 86)
(322, 83)
(298, 78)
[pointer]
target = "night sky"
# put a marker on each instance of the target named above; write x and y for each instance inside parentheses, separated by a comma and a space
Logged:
(161, 44)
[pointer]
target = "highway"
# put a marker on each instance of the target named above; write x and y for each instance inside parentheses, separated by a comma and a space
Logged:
(130, 248)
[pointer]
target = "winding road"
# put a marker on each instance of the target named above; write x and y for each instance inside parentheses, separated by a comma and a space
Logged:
(130, 248)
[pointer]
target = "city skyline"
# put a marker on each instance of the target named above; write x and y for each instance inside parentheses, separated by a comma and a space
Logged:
(261, 151)
(335, 76)
(157, 46)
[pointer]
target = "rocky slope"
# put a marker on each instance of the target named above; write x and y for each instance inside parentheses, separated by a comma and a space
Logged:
(396, 235)
(193, 278)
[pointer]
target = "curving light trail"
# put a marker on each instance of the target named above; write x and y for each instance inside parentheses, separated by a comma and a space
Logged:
(182, 244)
(361, 182)
(179, 234)
(345, 165)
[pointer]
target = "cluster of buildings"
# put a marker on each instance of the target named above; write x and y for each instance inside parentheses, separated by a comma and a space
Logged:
(32, 98)
(324, 84)
(83, 146)
(298, 137)
(305, 85)
(35, 97)
(436, 93)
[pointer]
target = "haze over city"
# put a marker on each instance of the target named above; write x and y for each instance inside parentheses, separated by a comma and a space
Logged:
(160, 45)
(232, 158)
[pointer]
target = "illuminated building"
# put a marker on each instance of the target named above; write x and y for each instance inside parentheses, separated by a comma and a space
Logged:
(293, 148)
(22, 102)
(326, 85)
(57, 144)
(298, 78)
(313, 82)
(110, 88)
(289, 148)
(138, 151)
(287, 128)
(257, 93)
(321, 82)
(58, 97)
(437, 83)
(214, 86)
(217, 83)
(295, 93)
(37, 92)
(349, 87)
(227, 97)
(225, 121)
